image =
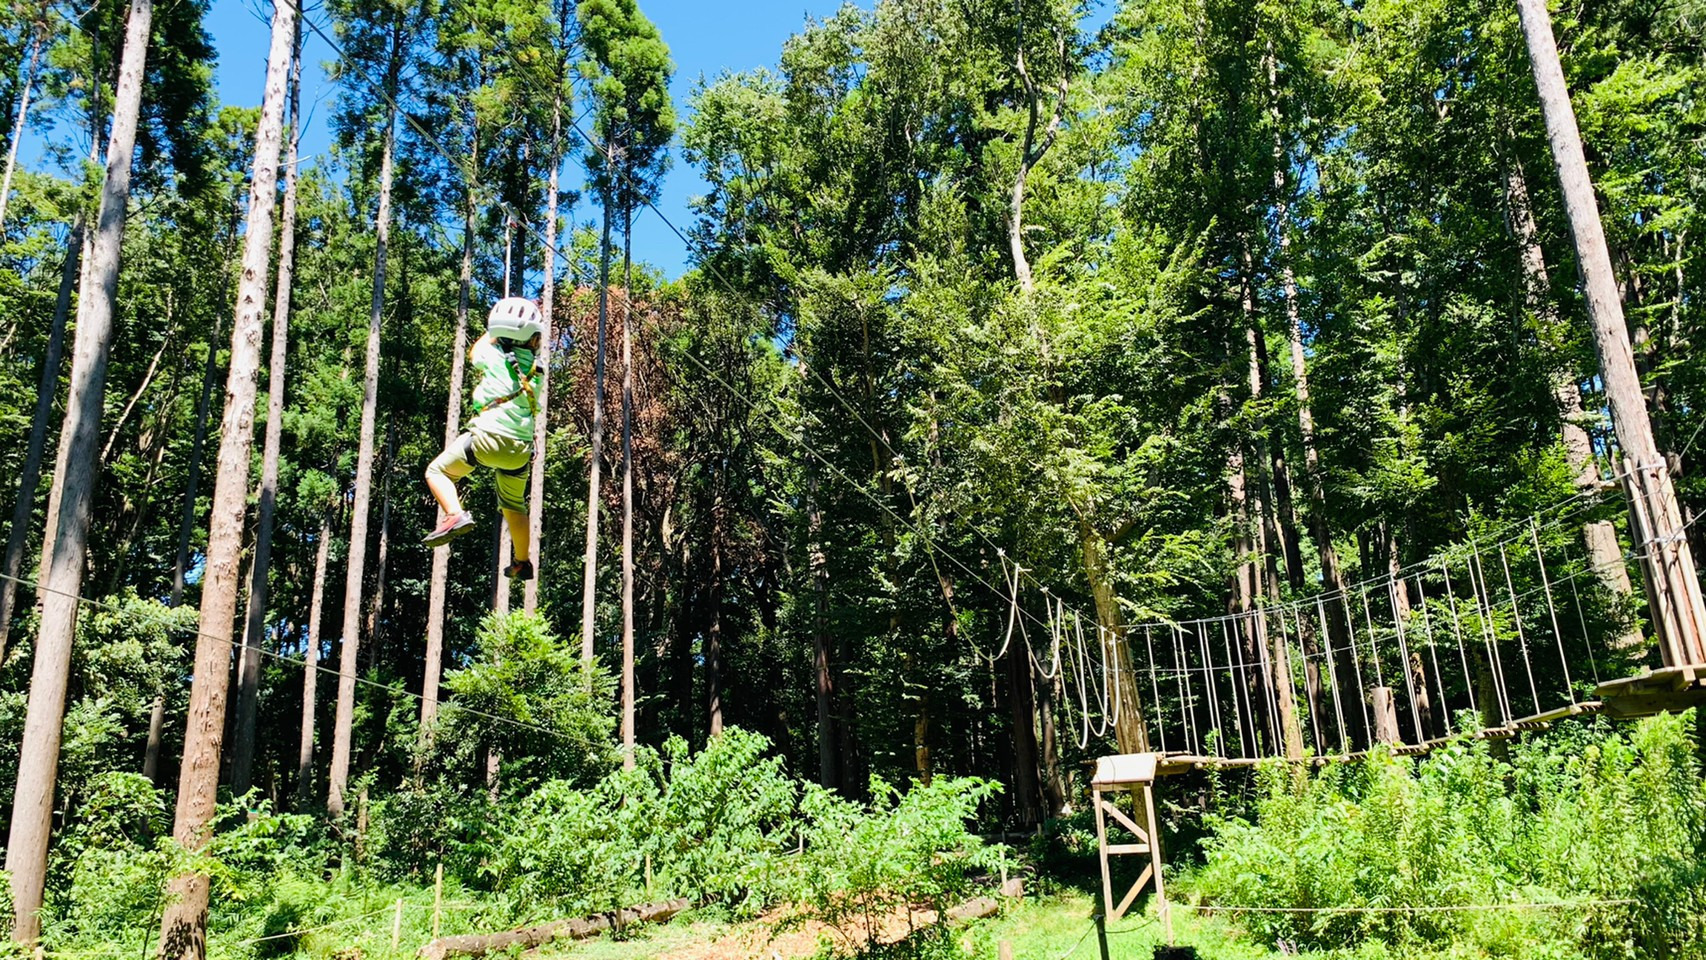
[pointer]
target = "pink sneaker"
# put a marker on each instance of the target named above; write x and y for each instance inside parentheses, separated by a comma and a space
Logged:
(449, 529)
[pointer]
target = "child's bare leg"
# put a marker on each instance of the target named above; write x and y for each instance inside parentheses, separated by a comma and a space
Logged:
(520, 536)
(444, 491)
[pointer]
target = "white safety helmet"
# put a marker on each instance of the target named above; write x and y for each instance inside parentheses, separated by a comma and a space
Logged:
(516, 319)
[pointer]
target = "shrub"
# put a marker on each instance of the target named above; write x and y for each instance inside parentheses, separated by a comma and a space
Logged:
(908, 848)
(1581, 814)
(710, 826)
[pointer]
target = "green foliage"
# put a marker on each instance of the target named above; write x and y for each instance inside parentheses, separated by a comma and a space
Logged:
(710, 826)
(910, 848)
(529, 697)
(1582, 815)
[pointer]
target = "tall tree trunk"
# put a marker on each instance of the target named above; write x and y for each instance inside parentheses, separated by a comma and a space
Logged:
(183, 925)
(714, 636)
(452, 427)
(74, 479)
(1682, 614)
(1054, 784)
(589, 570)
(1599, 536)
(192, 486)
(29, 478)
(156, 739)
(148, 376)
(500, 531)
(254, 629)
(1327, 554)
(382, 559)
(1030, 153)
(36, 43)
(1129, 731)
(825, 682)
(628, 692)
(348, 658)
(1022, 710)
(311, 663)
(541, 431)
(1275, 528)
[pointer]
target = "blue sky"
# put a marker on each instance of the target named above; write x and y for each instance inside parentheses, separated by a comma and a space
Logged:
(705, 37)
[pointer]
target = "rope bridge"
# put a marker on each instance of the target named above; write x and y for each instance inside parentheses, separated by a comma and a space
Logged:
(1488, 639)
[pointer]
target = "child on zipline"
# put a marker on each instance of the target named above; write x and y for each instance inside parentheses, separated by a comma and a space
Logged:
(500, 435)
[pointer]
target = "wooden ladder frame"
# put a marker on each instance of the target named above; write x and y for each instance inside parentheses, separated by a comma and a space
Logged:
(1132, 773)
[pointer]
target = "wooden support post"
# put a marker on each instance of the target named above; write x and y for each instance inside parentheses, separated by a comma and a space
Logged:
(1133, 773)
(1386, 717)
(397, 926)
(1005, 950)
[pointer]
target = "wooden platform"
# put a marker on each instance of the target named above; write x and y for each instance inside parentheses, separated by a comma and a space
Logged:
(1650, 692)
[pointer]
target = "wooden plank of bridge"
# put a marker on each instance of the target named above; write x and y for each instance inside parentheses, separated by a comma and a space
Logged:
(1654, 691)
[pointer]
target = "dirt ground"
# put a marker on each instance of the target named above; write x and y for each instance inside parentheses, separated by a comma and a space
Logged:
(771, 938)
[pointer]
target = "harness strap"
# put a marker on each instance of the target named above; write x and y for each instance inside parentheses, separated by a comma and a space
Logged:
(524, 388)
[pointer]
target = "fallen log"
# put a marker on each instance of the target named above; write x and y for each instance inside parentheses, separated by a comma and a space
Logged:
(479, 944)
(974, 910)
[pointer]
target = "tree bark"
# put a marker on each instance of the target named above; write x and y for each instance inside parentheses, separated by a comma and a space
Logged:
(382, 559)
(156, 738)
(1129, 731)
(1681, 616)
(541, 431)
(1332, 578)
(500, 531)
(36, 43)
(254, 630)
(348, 659)
(186, 520)
(74, 478)
(589, 569)
(1022, 710)
(714, 636)
(628, 692)
(1599, 536)
(452, 427)
(1031, 152)
(183, 925)
(29, 475)
(825, 682)
(311, 664)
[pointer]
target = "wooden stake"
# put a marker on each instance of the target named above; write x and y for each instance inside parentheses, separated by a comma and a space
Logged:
(437, 898)
(1006, 949)
(397, 926)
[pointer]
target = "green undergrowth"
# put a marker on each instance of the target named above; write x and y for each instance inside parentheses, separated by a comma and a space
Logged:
(725, 828)
(1609, 819)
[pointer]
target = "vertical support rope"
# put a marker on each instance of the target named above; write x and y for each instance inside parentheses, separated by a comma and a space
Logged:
(1587, 640)
(1373, 651)
(1303, 657)
(1213, 691)
(1552, 610)
(1155, 689)
(1237, 676)
(1333, 677)
(1521, 636)
(1484, 608)
(1457, 631)
(1187, 706)
(1259, 635)
(1392, 588)
(1433, 657)
(1356, 665)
